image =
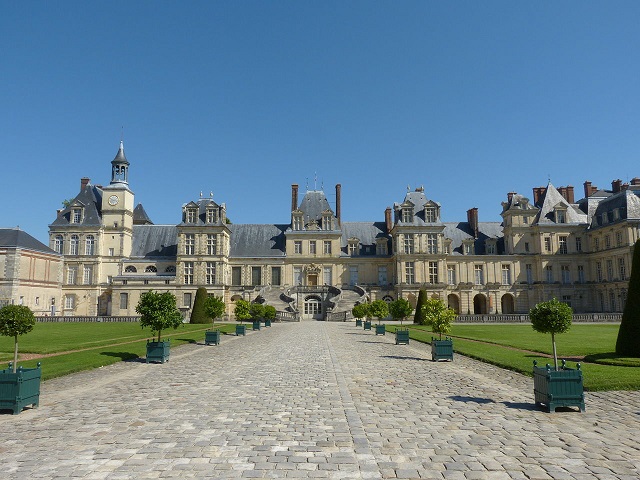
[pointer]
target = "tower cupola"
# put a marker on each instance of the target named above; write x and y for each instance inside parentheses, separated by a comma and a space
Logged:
(120, 167)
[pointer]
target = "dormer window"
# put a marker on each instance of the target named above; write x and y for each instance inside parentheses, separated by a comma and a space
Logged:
(561, 216)
(381, 247)
(468, 247)
(353, 246)
(490, 248)
(430, 214)
(212, 215)
(297, 221)
(76, 215)
(191, 215)
(407, 215)
(327, 222)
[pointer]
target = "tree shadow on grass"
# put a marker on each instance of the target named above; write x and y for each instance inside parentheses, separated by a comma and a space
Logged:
(188, 340)
(124, 356)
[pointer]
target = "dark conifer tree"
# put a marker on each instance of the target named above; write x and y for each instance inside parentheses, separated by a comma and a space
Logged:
(628, 343)
(198, 313)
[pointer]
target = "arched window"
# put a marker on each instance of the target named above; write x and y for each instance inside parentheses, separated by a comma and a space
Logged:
(73, 247)
(89, 245)
(151, 269)
(130, 269)
(170, 269)
(58, 244)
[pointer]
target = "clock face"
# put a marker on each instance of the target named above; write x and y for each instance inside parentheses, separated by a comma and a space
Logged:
(113, 200)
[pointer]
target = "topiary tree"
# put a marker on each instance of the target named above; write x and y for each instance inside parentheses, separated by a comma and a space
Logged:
(214, 308)
(400, 309)
(551, 317)
(16, 320)
(438, 315)
(256, 310)
(419, 316)
(269, 312)
(379, 309)
(158, 311)
(198, 313)
(360, 311)
(628, 342)
(241, 310)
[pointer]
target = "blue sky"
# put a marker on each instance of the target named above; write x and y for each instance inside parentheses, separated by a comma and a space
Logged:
(243, 98)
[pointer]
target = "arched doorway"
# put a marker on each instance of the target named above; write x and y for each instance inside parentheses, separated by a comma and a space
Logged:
(312, 308)
(507, 303)
(479, 304)
(453, 302)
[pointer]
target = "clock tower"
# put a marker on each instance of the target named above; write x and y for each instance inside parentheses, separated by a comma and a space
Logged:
(117, 209)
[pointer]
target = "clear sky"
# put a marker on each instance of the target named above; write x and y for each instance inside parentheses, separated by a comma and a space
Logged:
(470, 99)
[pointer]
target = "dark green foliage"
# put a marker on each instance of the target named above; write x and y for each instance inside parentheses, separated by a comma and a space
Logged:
(400, 309)
(198, 313)
(628, 342)
(256, 310)
(438, 315)
(16, 320)
(360, 310)
(419, 317)
(269, 312)
(551, 317)
(379, 309)
(214, 308)
(241, 310)
(158, 311)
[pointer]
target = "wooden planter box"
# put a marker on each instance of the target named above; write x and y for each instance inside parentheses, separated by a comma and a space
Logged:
(17, 390)
(212, 337)
(558, 388)
(381, 329)
(358, 322)
(256, 324)
(241, 330)
(441, 349)
(367, 325)
(267, 323)
(402, 336)
(158, 351)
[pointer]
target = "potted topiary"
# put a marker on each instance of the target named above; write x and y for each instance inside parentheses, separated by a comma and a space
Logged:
(557, 387)
(213, 307)
(360, 311)
(400, 309)
(256, 310)
(241, 311)
(19, 387)
(269, 315)
(440, 318)
(379, 309)
(158, 311)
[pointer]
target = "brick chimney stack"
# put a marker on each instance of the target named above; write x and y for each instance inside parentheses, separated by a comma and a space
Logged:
(338, 201)
(84, 181)
(616, 186)
(294, 197)
(387, 219)
(472, 218)
(510, 196)
(635, 181)
(570, 195)
(538, 193)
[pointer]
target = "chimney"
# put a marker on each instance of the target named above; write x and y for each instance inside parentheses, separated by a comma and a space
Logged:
(616, 185)
(294, 197)
(510, 196)
(587, 188)
(338, 210)
(84, 181)
(625, 186)
(570, 195)
(387, 219)
(538, 193)
(472, 218)
(635, 181)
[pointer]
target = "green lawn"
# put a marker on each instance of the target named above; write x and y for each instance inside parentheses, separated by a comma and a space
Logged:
(503, 345)
(107, 343)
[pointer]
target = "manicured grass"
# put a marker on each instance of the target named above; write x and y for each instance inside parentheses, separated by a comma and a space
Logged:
(503, 345)
(107, 343)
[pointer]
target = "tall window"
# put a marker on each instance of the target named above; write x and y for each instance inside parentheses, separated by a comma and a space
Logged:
(124, 301)
(327, 247)
(297, 275)
(407, 215)
(188, 273)
(433, 272)
(451, 275)
(186, 300)
(381, 248)
(189, 244)
(312, 247)
(212, 244)
(529, 273)
(276, 276)
(212, 215)
(73, 246)
(599, 271)
(353, 275)
(256, 275)
(578, 244)
(430, 214)
(236, 275)
(506, 274)
(353, 248)
(297, 222)
(210, 275)
(562, 241)
(618, 239)
(596, 243)
(409, 272)
(409, 243)
(478, 272)
(547, 244)
(87, 276)
(72, 275)
(491, 249)
(610, 270)
(69, 302)
(549, 271)
(192, 214)
(566, 274)
(382, 275)
(607, 241)
(297, 246)
(432, 243)
(622, 269)
(327, 222)
(58, 244)
(327, 277)
(581, 277)
(89, 245)
(561, 216)
(76, 215)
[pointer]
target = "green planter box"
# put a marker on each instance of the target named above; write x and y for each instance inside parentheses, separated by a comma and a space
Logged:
(381, 329)
(441, 349)
(358, 322)
(212, 337)
(17, 390)
(367, 325)
(402, 336)
(267, 323)
(256, 324)
(558, 388)
(241, 330)
(158, 351)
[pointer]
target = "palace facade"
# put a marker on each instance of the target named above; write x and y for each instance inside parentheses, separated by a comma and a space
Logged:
(314, 263)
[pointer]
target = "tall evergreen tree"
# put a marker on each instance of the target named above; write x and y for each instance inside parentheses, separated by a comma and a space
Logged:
(628, 343)
(420, 317)
(198, 312)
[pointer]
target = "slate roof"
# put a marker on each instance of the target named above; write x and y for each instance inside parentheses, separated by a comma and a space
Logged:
(367, 233)
(460, 231)
(90, 198)
(627, 202)
(419, 200)
(16, 238)
(313, 204)
(518, 202)
(553, 198)
(154, 241)
(140, 216)
(252, 240)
